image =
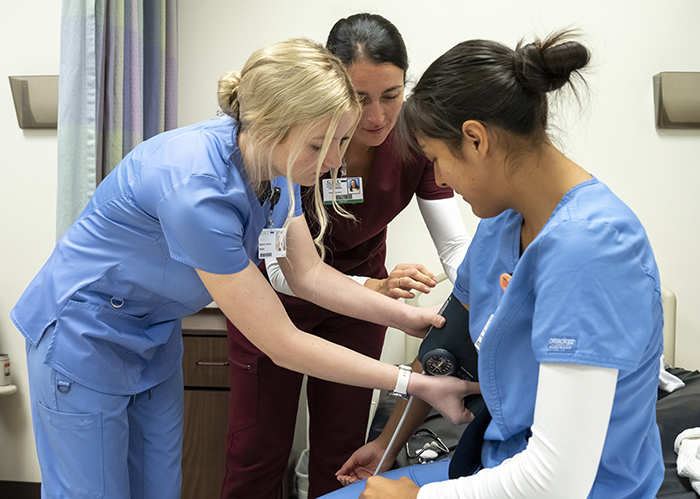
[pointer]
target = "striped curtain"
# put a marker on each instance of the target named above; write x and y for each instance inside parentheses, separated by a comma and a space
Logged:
(117, 88)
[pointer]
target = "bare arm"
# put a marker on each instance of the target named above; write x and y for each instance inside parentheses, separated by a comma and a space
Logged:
(399, 284)
(450, 237)
(364, 461)
(251, 305)
(311, 279)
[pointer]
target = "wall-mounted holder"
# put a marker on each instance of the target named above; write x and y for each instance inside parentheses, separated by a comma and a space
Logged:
(36, 100)
(677, 100)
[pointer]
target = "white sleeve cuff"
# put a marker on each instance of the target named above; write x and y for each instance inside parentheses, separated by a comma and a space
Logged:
(447, 230)
(276, 277)
(361, 280)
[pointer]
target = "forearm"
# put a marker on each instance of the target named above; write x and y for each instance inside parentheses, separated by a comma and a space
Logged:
(252, 306)
(280, 284)
(342, 295)
(561, 460)
(419, 410)
(312, 280)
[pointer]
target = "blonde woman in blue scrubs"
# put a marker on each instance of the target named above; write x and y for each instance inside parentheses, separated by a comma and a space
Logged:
(182, 220)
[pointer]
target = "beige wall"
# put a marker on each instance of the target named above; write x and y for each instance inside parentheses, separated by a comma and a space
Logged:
(29, 36)
(657, 174)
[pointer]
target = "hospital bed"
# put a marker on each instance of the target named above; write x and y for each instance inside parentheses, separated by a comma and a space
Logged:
(676, 411)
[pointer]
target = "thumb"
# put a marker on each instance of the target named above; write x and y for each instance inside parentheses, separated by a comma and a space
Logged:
(438, 321)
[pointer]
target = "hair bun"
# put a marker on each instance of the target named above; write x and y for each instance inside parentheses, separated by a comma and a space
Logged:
(542, 67)
(228, 94)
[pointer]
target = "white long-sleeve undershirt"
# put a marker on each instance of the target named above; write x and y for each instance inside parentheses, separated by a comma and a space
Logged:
(572, 411)
(445, 225)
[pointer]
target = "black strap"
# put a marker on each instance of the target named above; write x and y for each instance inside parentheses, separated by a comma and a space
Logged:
(467, 457)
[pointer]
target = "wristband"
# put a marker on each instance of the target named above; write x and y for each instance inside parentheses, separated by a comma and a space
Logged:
(402, 383)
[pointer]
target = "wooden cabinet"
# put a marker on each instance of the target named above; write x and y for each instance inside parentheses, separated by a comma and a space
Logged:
(206, 379)
(205, 370)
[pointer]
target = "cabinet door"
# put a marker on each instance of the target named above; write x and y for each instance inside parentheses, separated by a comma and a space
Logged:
(204, 446)
(205, 362)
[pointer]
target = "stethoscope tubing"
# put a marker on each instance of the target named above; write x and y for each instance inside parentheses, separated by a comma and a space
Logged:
(393, 437)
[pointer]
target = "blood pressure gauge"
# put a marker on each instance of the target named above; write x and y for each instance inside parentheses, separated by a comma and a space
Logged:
(439, 362)
(450, 351)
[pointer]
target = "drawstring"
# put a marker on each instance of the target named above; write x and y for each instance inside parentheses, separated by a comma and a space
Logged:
(150, 396)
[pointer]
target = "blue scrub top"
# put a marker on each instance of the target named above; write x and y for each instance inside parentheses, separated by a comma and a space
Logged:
(585, 291)
(119, 281)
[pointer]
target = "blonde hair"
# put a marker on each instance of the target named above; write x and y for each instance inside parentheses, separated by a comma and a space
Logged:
(293, 84)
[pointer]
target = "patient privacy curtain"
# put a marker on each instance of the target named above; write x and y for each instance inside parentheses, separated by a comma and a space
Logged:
(117, 87)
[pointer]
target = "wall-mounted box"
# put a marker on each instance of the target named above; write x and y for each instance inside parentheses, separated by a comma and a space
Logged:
(677, 100)
(36, 100)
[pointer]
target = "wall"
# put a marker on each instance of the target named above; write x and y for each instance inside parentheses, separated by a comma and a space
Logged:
(29, 35)
(612, 134)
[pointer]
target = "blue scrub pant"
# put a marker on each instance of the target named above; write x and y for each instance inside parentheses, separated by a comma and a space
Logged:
(96, 445)
(421, 474)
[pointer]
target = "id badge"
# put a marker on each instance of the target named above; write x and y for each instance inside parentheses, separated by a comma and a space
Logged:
(347, 190)
(272, 243)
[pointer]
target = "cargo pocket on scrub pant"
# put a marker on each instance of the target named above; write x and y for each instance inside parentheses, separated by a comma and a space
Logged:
(244, 392)
(71, 452)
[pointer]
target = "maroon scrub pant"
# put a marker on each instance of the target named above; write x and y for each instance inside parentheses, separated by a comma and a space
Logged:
(263, 408)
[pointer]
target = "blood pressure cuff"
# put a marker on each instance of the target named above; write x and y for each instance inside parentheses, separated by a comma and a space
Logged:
(450, 351)
(466, 459)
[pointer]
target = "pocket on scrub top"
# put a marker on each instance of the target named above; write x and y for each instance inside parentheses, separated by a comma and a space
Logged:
(70, 453)
(244, 392)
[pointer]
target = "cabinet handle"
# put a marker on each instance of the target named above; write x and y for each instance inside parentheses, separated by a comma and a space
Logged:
(220, 364)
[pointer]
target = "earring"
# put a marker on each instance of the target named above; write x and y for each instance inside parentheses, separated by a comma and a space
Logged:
(343, 167)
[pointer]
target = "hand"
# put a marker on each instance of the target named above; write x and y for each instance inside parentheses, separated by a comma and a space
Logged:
(418, 319)
(363, 463)
(446, 394)
(383, 488)
(406, 277)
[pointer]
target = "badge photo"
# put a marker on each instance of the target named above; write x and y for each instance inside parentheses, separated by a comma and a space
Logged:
(346, 190)
(272, 243)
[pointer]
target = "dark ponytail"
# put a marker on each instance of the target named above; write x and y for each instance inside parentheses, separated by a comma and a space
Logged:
(488, 82)
(542, 67)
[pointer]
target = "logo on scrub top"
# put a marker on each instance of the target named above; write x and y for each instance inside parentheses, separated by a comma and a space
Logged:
(562, 344)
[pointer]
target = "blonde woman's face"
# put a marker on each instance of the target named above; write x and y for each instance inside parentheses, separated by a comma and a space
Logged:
(304, 167)
(381, 89)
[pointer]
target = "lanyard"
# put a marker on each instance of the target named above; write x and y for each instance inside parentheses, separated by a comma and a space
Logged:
(274, 199)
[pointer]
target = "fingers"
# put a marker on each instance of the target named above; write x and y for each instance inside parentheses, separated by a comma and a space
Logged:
(379, 487)
(344, 470)
(346, 480)
(407, 277)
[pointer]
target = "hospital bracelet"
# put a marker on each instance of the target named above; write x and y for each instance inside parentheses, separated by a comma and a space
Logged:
(402, 383)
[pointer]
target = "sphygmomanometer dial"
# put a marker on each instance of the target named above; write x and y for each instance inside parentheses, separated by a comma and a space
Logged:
(439, 362)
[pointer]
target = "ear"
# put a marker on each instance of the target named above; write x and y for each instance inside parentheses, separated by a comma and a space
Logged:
(475, 136)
